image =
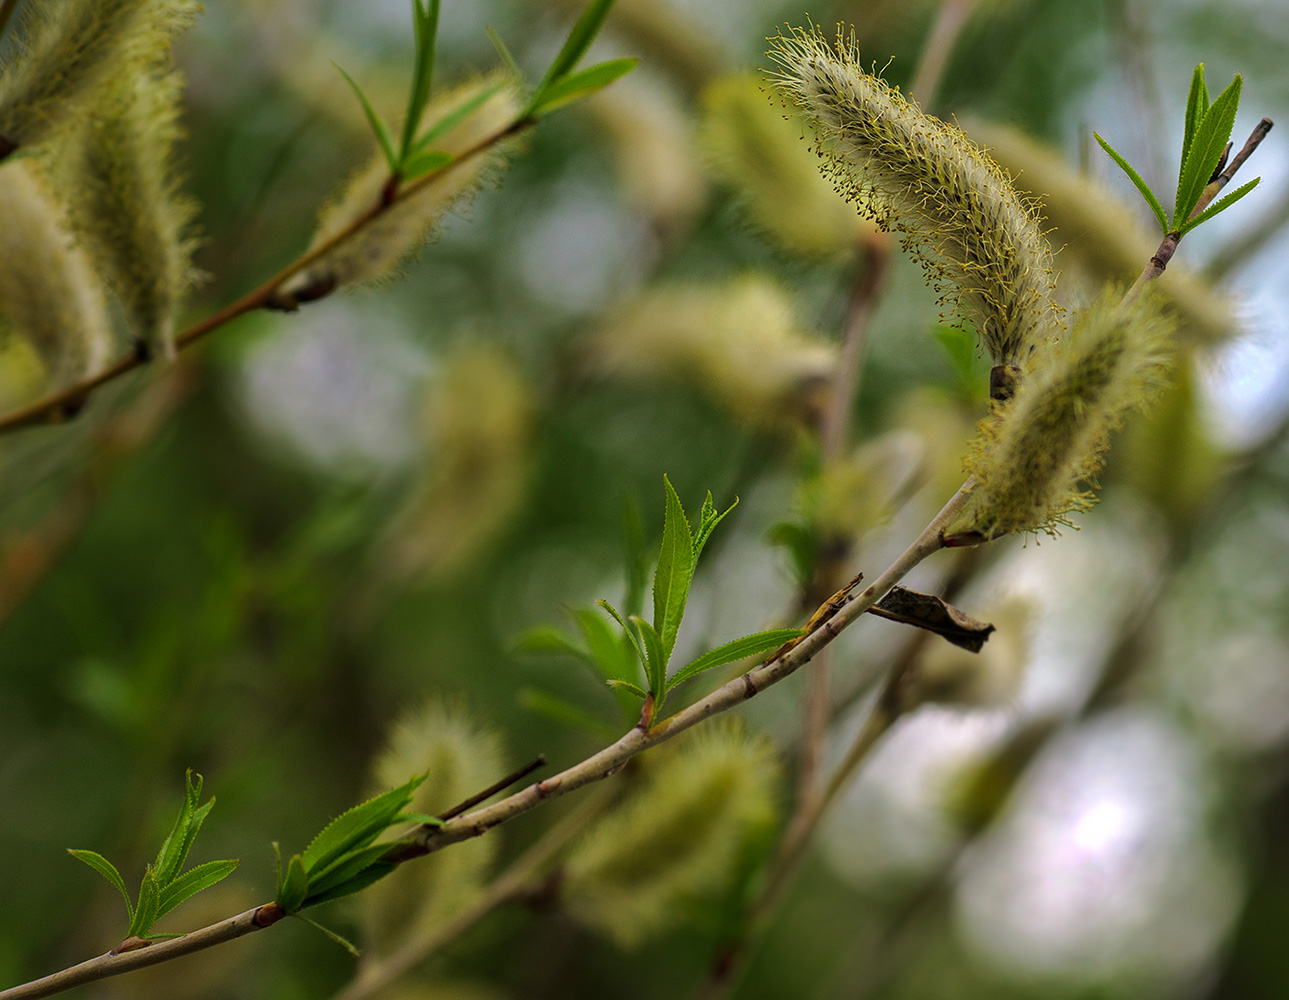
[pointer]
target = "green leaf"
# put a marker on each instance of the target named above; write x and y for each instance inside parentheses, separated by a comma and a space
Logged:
(455, 117)
(193, 881)
(545, 639)
(169, 860)
(345, 867)
(339, 939)
(369, 875)
(426, 22)
(1196, 106)
(564, 713)
(1136, 179)
(675, 569)
(503, 53)
(358, 827)
(609, 656)
(630, 688)
(145, 912)
(108, 870)
(708, 519)
(1210, 140)
(423, 163)
(1221, 205)
(736, 649)
(631, 634)
(575, 46)
(377, 125)
(959, 347)
(583, 84)
(656, 663)
(294, 887)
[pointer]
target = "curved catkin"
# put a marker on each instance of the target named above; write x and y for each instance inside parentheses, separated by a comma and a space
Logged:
(979, 242)
(375, 251)
(1033, 455)
(49, 294)
(677, 839)
(126, 204)
(65, 50)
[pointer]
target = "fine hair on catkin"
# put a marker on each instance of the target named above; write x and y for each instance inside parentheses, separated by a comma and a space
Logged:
(981, 244)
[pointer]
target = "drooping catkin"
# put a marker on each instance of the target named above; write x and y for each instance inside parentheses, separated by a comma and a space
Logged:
(1034, 456)
(49, 293)
(754, 150)
(126, 203)
(374, 252)
(678, 837)
(980, 243)
(64, 51)
(458, 757)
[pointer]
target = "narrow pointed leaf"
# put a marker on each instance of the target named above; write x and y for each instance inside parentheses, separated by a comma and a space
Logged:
(145, 912)
(377, 125)
(1136, 179)
(611, 658)
(1196, 105)
(358, 826)
(575, 46)
(630, 688)
(737, 649)
(579, 85)
(427, 28)
(345, 867)
(707, 522)
(327, 932)
(170, 857)
(455, 117)
(295, 886)
(544, 639)
(193, 881)
(368, 876)
(503, 53)
(1206, 149)
(1221, 205)
(631, 634)
(675, 570)
(424, 163)
(108, 870)
(656, 663)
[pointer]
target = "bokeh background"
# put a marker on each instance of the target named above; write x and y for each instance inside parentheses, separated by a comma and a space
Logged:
(257, 562)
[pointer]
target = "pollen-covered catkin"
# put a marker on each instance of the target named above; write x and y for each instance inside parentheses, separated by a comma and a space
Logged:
(1034, 455)
(374, 252)
(980, 243)
(126, 203)
(64, 51)
(49, 294)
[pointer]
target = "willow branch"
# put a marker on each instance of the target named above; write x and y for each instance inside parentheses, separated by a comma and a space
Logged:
(61, 404)
(949, 21)
(1159, 262)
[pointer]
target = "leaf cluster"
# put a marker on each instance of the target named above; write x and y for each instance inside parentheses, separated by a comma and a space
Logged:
(1205, 144)
(163, 886)
(641, 650)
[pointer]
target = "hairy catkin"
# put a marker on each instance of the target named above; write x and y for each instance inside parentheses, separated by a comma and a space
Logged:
(1034, 456)
(980, 243)
(126, 203)
(49, 294)
(374, 252)
(65, 50)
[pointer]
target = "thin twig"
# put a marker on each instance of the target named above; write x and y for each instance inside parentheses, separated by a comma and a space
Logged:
(62, 403)
(1244, 245)
(1159, 263)
(949, 21)
(493, 789)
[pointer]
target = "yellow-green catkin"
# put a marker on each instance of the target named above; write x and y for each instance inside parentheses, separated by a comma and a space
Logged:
(65, 50)
(980, 243)
(739, 340)
(754, 150)
(50, 296)
(676, 839)
(126, 203)
(1034, 457)
(375, 251)
(459, 757)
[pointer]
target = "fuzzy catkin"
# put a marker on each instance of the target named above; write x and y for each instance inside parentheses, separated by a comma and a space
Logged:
(979, 242)
(677, 838)
(127, 206)
(49, 293)
(1033, 455)
(375, 251)
(65, 50)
